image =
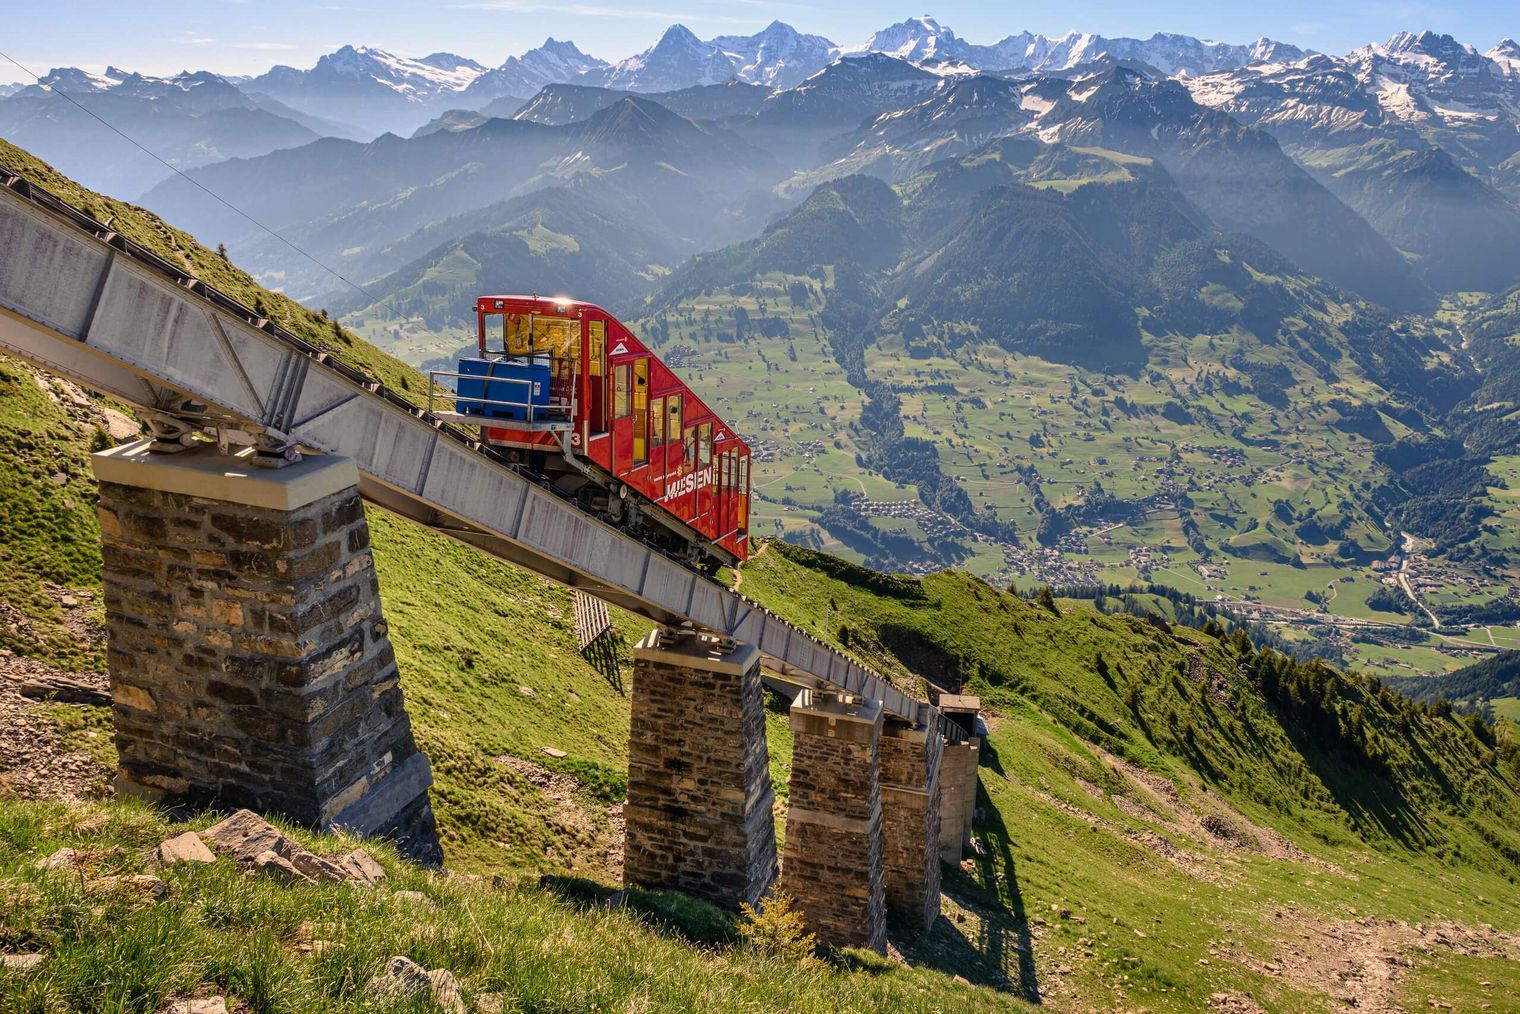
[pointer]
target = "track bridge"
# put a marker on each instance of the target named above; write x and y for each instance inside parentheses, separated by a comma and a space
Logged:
(84, 302)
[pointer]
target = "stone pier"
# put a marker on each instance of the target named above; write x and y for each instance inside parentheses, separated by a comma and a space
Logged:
(248, 653)
(910, 815)
(699, 804)
(833, 860)
(958, 776)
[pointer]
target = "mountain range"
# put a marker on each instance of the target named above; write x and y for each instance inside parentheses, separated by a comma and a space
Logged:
(374, 90)
(188, 120)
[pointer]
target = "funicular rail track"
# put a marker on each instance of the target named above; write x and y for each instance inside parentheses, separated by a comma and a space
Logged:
(82, 301)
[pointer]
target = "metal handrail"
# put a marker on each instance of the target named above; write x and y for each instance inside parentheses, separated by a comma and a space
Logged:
(557, 413)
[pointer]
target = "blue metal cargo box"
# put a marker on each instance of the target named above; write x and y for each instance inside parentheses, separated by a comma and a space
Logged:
(505, 388)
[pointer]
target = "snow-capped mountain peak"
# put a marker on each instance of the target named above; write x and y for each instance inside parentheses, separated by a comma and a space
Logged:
(554, 62)
(421, 79)
(75, 80)
(778, 56)
(372, 87)
(678, 60)
(917, 39)
(1507, 55)
(925, 40)
(452, 62)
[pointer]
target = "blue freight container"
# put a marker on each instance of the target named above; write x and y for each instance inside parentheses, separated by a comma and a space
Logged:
(504, 388)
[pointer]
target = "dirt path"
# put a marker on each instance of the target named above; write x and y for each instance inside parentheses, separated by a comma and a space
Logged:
(1363, 962)
(34, 763)
(739, 571)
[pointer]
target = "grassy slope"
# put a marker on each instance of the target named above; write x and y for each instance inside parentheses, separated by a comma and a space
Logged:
(1067, 826)
(48, 533)
(533, 949)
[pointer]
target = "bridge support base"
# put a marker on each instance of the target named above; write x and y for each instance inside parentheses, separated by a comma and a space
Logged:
(833, 860)
(910, 815)
(699, 804)
(958, 775)
(249, 659)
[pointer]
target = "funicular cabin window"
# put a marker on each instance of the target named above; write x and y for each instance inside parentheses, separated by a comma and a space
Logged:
(622, 404)
(742, 486)
(597, 331)
(704, 445)
(657, 422)
(673, 417)
(640, 411)
(533, 334)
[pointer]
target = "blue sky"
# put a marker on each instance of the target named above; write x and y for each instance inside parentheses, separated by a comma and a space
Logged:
(248, 36)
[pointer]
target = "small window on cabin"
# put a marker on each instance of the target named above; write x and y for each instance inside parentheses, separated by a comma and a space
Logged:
(689, 446)
(641, 385)
(517, 333)
(598, 332)
(743, 489)
(622, 405)
(555, 336)
(704, 444)
(657, 422)
(673, 417)
(533, 334)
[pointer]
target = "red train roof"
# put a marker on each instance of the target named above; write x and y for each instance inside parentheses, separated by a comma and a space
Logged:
(520, 301)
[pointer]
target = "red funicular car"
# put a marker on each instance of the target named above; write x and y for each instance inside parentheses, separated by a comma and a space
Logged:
(578, 400)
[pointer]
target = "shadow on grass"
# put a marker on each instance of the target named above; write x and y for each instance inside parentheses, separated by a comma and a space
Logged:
(1374, 800)
(605, 656)
(992, 893)
(668, 912)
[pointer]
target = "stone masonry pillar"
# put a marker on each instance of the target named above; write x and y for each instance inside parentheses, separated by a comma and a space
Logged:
(910, 816)
(699, 804)
(832, 864)
(249, 659)
(958, 777)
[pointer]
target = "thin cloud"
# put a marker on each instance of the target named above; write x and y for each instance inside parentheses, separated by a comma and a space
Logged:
(586, 10)
(264, 45)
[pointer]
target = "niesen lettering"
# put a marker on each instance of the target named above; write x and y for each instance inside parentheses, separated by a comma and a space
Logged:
(688, 482)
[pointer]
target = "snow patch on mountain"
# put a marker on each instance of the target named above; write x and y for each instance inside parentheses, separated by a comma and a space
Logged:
(923, 39)
(554, 62)
(1507, 55)
(678, 60)
(778, 56)
(415, 79)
